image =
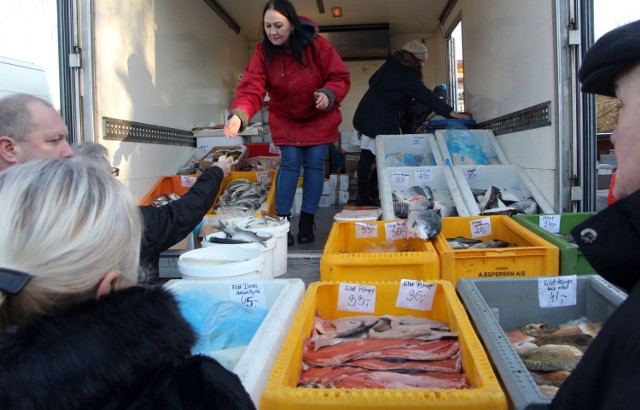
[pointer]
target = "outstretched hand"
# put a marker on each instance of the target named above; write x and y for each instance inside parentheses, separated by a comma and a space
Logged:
(460, 115)
(232, 126)
(225, 165)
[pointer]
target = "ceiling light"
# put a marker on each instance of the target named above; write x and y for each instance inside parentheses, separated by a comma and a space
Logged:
(336, 11)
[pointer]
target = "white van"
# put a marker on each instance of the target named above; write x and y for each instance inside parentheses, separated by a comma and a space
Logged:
(23, 77)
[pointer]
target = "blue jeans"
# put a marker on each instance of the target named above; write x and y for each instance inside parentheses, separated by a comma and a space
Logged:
(311, 158)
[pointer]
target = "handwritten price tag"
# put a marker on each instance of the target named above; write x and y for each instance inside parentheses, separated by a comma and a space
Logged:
(263, 177)
(414, 294)
(365, 230)
(424, 175)
(472, 174)
(250, 294)
(396, 230)
(356, 298)
(400, 178)
(557, 291)
(550, 223)
(187, 181)
(480, 227)
(417, 140)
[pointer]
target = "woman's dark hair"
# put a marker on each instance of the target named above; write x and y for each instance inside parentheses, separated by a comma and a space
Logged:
(298, 39)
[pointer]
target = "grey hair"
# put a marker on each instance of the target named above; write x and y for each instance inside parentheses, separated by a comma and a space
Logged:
(16, 120)
(94, 152)
(67, 223)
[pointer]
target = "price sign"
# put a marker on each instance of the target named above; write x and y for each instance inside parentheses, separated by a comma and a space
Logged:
(357, 298)
(400, 178)
(557, 291)
(365, 230)
(414, 294)
(550, 223)
(250, 294)
(263, 177)
(424, 175)
(187, 181)
(472, 174)
(417, 140)
(480, 227)
(395, 230)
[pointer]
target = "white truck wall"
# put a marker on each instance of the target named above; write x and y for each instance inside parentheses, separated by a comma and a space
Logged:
(500, 78)
(164, 63)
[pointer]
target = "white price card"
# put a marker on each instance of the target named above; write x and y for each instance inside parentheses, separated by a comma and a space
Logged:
(550, 223)
(357, 298)
(424, 175)
(417, 140)
(414, 294)
(396, 230)
(480, 227)
(557, 291)
(400, 178)
(250, 294)
(187, 181)
(263, 177)
(365, 230)
(472, 174)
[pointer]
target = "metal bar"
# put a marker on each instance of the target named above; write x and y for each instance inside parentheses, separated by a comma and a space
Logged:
(222, 13)
(526, 119)
(131, 131)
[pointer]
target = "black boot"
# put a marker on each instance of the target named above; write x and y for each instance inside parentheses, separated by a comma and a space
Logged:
(290, 240)
(306, 228)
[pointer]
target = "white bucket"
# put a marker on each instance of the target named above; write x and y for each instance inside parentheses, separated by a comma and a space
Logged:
(231, 263)
(267, 249)
(279, 230)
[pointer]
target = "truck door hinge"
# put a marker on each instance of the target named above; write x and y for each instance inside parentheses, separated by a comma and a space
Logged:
(75, 60)
(576, 193)
(574, 37)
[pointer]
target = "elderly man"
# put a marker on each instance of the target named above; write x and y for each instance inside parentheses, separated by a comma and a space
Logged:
(30, 127)
(608, 375)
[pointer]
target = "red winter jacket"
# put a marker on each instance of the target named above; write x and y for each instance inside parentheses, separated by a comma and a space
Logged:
(293, 116)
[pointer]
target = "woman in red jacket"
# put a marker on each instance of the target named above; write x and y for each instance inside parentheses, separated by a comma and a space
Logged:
(306, 81)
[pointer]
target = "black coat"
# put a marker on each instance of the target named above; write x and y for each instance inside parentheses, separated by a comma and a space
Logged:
(167, 225)
(608, 375)
(128, 350)
(391, 88)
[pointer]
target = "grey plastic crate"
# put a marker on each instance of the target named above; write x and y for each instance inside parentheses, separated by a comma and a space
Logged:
(496, 306)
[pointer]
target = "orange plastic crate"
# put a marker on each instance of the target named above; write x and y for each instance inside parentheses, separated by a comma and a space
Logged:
(178, 184)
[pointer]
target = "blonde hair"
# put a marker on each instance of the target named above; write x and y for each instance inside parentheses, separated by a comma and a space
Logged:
(67, 223)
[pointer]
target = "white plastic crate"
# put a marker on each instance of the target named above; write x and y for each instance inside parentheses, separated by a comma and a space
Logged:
(439, 179)
(255, 364)
(509, 177)
(417, 149)
(491, 149)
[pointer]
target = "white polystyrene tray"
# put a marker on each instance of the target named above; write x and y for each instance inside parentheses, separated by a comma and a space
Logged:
(487, 141)
(442, 183)
(408, 143)
(283, 297)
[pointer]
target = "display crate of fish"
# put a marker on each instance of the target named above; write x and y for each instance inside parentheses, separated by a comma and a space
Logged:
(492, 247)
(557, 230)
(499, 190)
(469, 147)
(408, 150)
(168, 189)
(238, 152)
(244, 193)
(284, 390)
(379, 250)
(502, 308)
(252, 362)
(398, 187)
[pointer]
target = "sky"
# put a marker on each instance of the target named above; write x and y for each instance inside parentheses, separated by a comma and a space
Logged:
(609, 14)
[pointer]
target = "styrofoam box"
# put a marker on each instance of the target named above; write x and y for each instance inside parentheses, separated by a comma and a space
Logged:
(283, 298)
(509, 177)
(439, 179)
(497, 306)
(490, 147)
(424, 144)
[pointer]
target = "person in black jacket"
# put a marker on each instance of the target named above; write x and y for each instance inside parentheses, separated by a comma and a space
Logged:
(608, 374)
(76, 332)
(391, 88)
(167, 225)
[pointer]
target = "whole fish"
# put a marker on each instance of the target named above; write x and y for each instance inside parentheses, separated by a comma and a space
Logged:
(424, 224)
(242, 235)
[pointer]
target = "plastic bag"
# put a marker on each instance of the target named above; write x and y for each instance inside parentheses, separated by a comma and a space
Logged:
(220, 324)
(464, 147)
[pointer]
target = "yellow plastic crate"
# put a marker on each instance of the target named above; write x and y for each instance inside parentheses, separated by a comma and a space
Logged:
(251, 176)
(282, 392)
(345, 256)
(533, 255)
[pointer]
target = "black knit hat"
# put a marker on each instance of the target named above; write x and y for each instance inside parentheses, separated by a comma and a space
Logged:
(612, 55)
